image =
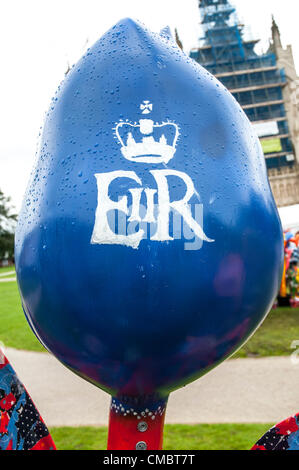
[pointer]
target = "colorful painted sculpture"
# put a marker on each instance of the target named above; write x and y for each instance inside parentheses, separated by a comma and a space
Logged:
(289, 288)
(149, 247)
(21, 426)
(283, 436)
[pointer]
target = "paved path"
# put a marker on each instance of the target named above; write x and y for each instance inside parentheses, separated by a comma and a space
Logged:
(241, 390)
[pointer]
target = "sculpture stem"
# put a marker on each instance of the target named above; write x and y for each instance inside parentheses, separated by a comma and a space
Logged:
(136, 424)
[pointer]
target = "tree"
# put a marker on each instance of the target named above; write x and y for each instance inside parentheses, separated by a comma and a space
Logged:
(7, 227)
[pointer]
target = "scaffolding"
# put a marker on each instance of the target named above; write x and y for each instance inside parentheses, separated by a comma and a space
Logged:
(254, 79)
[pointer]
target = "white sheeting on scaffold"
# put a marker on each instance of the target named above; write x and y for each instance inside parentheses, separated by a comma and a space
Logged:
(289, 217)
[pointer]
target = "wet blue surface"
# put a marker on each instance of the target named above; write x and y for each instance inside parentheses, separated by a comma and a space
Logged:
(148, 319)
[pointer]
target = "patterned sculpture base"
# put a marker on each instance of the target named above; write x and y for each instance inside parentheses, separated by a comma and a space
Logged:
(136, 425)
(21, 426)
(283, 436)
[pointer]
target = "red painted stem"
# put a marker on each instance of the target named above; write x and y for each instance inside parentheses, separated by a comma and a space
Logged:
(136, 427)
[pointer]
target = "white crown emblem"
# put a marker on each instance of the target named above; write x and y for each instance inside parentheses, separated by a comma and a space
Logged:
(146, 141)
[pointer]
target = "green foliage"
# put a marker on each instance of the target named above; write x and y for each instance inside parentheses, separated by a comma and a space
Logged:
(176, 437)
(7, 224)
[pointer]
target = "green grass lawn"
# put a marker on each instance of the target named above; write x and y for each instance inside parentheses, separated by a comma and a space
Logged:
(14, 329)
(7, 269)
(273, 338)
(176, 437)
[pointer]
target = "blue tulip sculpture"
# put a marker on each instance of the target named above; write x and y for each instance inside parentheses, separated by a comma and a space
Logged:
(149, 246)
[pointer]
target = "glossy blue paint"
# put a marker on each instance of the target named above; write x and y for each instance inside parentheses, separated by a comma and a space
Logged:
(148, 319)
